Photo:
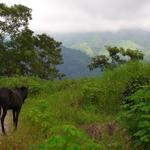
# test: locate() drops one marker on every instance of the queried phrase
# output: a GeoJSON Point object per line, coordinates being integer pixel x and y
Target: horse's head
{"type": "Point", "coordinates": [24, 92]}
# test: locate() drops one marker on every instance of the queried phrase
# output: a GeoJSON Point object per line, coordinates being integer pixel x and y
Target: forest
{"type": "Point", "coordinates": [106, 111]}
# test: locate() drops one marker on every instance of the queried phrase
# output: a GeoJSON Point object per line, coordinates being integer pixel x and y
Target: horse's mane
{"type": "Point", "coordinates": [23, 91]}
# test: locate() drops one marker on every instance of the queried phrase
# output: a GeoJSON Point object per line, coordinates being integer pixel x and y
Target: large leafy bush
{"type": "Point", "coordinates": [90, 94]}
{"type": "Point", "coordinates": [136, 117]}
{"type": "Point", "coordinates": [40, 116]}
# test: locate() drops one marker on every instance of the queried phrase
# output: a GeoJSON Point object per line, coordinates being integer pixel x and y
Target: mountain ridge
{"type": "Point", "coordinates": [76, 64]}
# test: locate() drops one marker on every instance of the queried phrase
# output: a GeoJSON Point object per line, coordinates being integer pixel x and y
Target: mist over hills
{"type": "Point", "coordinates": [93, 43]}
{"type": "Point", "coordinates": [78, 48]}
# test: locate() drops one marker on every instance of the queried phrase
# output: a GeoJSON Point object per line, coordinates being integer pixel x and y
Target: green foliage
{"type": "Point", "coordinates": [116, 55]}
{"type": "Point", "coordinates": [115, 146]}
{"type": "Point", "coordinates": [35, 84]}
{"type": "Point", "coordinates": [136, 117]}
{"type": "Point", "coordinates": [99, 62]}
{"type": "Point", "coordinates": [40, 116]}
{"type": "Point", "coordinates": [49, 55]}
{"type": "Point", "coordinates": [133, 85]}
{"type": "Point", "coordinates": [134, 55]}
{"type": "Point", "coordinates": [90, 94]}
{"type": "Point", "coordinates": [14, 18]}
{"type": "Point", "coordinates": [79, 103]}
{"type": "Point", "coordinates": [112, 84]}
{"type": "Point", "coordinates": [21, 51]}
{"type": "Point", "coordinates": [68, 137]}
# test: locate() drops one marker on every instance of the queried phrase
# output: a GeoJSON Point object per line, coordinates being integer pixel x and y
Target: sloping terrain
{"type": "Point", "coordinates": [73, 114]}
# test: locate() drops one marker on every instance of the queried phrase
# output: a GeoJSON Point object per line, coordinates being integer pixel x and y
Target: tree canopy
{"type": "Point", "coordinates": [117, 55]}
{"type": "Point", "coordinates": [22, 52]}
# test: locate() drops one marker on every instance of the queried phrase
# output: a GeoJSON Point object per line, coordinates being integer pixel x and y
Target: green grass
{"type": "Point", "coordinates": [79, 103]}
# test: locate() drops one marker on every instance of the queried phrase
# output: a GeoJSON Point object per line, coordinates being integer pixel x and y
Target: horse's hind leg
{"type": "Point", "coordinates": [2, 120]}
{"type": "Point", "coordinates": [16, 118]}
{"type": "Point", "coordinates": [0, 112]}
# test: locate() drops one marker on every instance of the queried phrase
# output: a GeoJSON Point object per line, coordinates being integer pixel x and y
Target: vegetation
{"type": "Point", "coordinates": [21, 51]}
{"type": "Point", "coordinates": [115, 57]}
{"type": "Point", "coordinates": [82, 113]}
{"type": "Point", "coordinates": [136, 111]}
{"type": "Point", "coordinates": [68, 137]}
{"type": "Point", "coordinates": [136, 117]}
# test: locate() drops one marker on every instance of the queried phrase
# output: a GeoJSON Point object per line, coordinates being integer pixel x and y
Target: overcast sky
{"type": "Point", "coordinates": [65, 16]}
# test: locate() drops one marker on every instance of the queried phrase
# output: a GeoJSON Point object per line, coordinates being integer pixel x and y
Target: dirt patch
{"type": "Point", "coordinates": [96, 131]}
{"type": "Point", "coordinates": [8, 124]}
{"type": "Point", "coordinates": [111, 128]}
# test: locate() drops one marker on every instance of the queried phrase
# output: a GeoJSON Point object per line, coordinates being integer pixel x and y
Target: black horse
{"type": "Point", "coordinates": [12, 99]}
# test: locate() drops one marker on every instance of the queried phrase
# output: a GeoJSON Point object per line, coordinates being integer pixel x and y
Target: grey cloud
{"type": "Point", "coordinates": [87, 15]}
{"type": "Point", "coordinates": [115, 9]}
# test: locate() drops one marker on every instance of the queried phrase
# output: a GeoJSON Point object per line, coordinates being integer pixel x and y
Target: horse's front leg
{"type": "Point", "coordinates": [2, 119]}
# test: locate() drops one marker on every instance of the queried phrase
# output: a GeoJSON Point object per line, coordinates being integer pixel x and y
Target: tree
{"type": "Point", "coordinates": [116, 56]}
{"type": "Point", "coordinates": [14, 19]}
{"type": "Point", "coordinates": [99, 62]}
{"type": "Point", "coordinates": [21, 51]}
{"type": "Point", "coordinates": [135, 55]}
{"type": "Point", "coordinates": [48, 54]}
{"type": "Point", "coordinates": [113, 54]}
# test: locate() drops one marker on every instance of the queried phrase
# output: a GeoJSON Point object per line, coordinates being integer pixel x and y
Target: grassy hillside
{"type": "Point", "coordinates": [76, 114]}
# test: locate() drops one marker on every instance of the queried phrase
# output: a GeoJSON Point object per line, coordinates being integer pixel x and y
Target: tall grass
{"type": "Point", "coordinates": [77, 102]}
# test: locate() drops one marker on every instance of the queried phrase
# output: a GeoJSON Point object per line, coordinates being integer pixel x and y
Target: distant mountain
{"type": "Point", "coordinates": [82, 46]}
{"type": "Point", "coordinates": [75, 63]}
{"type": "Point", "coordinates": [93, 43]}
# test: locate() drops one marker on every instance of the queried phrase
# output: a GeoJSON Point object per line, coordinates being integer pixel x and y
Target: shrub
{"type": "Point", "coordinates": [40, 115]}
{"type": "Point", "coordinates": [68, 137]}
{"type": "Point", "coordinates": [136, 117]}
{"type": "Point", "coordinates": [36, 85]}
{"type": "Point", "coordinates": [90, 94]}
{"type": "Point", "coordinates": [133, 85]}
